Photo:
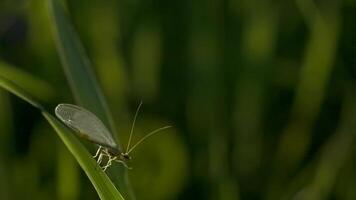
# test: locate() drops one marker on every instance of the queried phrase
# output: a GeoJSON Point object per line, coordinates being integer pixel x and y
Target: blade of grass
{"type": "Point", "coordinates": [35, 86]}
{"type": "Point", "coordinates": [103, 185]}
{"type": "Point", "coordinates": [16, 90]}
{"type": "Point", "coordinates": [83, 83]}
{"type": "Point", "coordinates": [76, 65]}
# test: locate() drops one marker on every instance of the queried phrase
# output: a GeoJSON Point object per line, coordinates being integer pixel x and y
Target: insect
{"type": "Point", "coordinates": [89, 127]}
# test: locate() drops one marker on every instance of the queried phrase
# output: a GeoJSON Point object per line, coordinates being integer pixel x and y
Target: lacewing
{"type": "Point", "coordinates": [88, 126]}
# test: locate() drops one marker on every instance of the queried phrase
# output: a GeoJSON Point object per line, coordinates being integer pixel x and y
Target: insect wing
{"type": "Point", "coordinates": [86, 124]}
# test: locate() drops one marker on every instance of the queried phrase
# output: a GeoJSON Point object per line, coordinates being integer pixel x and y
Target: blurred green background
{"type": "Point", "coordinates": [261, 94]}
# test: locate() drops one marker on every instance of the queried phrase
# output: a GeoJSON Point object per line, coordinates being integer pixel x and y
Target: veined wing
{"type": "Point", "coordinates": [86, 124]}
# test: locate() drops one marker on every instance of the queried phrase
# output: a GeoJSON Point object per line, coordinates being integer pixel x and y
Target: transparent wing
{"type": "Point", "coordinates": [86, 124]}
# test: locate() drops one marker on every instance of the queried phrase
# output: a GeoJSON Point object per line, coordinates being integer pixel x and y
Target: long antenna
{"type": "Point", "coordinates": [148, 135]}
{"type": "Point", "coordinates": [133, 125]}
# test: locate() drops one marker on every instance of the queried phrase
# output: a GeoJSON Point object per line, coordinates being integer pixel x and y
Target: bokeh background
{"type": "Point", "coordinates": [261, 95]}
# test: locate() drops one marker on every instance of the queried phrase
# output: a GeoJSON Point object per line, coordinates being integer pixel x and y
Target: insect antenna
{"type": "Point", "coordinates": [148, 135]}
{"type": "Point", "coordinates": [132, 127]}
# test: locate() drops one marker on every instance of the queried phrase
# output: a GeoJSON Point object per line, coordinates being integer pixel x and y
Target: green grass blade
{"type": "Point", "coordinates": [83, 82]}
{"type": "Point", "coordinates": [18, 91]}
{"type": "Point", "coordinates": [101, 182]}
{"type": "Point", "coordinates": [77, 66]}
{"type": "Point", "coordinates": [103, 185]}
{"type": "Point", "coordinates": [35, 86]}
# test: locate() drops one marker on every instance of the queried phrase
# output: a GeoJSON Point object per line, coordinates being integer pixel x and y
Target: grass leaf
{"type": "Point", "coordinates": [103, 185]}
{"type": "Point", "coordinates": [101, 182]}
{"type": "Point", "coordinates": [77, 66]}
{"type": "Point", "coordinates": [35, 86]}
{"type": "Point", "coordinates": [18, 91]}
{"type": "Point", "coordinates": [83, 82]}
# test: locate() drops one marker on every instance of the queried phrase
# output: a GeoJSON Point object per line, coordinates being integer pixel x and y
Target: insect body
{"type": "Point", "coordinates": [89, 127]}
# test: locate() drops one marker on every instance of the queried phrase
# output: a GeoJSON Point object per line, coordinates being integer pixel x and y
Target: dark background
{"type": "Point", "coordinates": [261, 95]}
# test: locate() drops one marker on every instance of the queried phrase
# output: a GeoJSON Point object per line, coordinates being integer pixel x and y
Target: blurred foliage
{"type": "Point", "coordinates": [261, 95]}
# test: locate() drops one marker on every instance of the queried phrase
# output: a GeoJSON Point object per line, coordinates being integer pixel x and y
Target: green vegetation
{"type": "Point", "coordinates": [103, 185]}
{"type": "Point", "coordinates": [260, 95]}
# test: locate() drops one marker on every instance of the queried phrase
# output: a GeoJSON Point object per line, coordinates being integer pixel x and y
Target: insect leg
{"type": "Point", "coordinates": [97, 152]}
{"type": "Point", "coordinates": [100, 159]}
{"type": "Point", "coordinates": [101, 155]}
{"type": "Point", "coordinates": [108, 164]}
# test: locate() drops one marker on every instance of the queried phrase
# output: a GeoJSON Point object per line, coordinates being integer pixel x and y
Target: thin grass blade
{"type": "Point", "coordinates": [18, 91]}
{"type": "Point", "coordinates": [34, 85]}
{"type": "Point", "coordinates": [76, 65]}
{"type": "Point", "coordinates": [83, 83]}
{"type": "Point", "coordinates": [103, 185]}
